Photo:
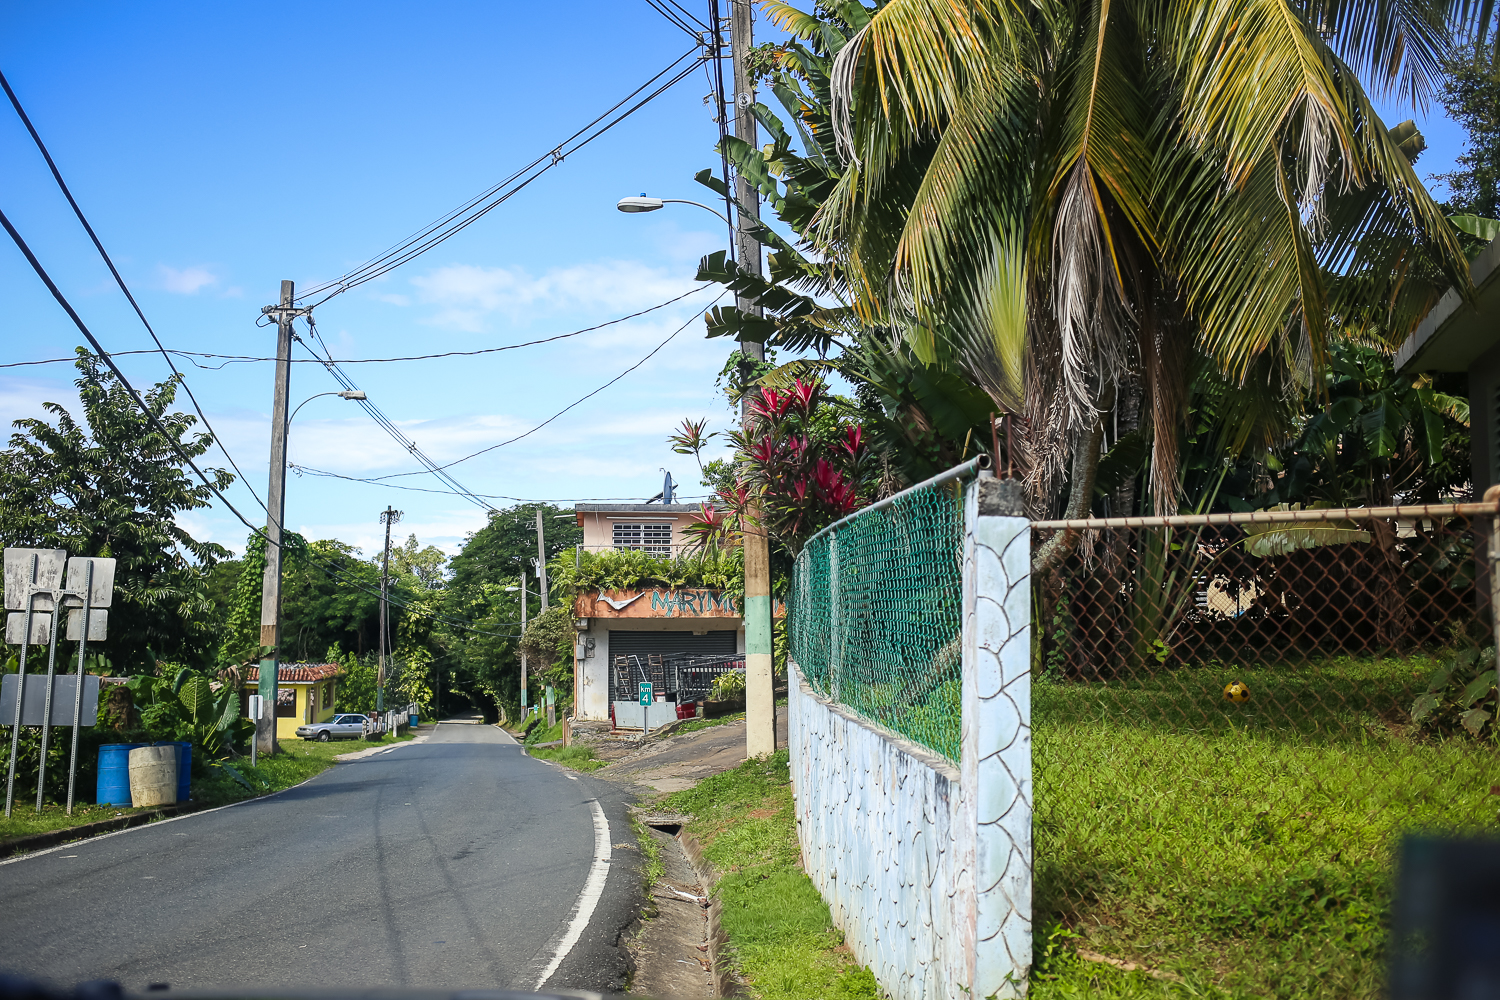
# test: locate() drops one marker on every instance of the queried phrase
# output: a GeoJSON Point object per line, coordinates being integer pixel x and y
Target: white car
{"type": "Point", "coordinates": [340, 727]}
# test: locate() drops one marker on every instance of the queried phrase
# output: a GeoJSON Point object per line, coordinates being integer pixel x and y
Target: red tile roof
{"type": "Point", "coordinates": [297, 673]}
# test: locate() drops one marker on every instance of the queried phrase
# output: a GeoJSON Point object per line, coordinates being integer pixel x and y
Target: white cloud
{"type": "Point", "coordinates": [187, 280]}
{"type": "Point", "coordinates": [465, 294]}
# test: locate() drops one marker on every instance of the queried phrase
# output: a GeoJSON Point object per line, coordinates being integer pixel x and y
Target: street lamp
{"type": "Point", "coordinates": [760, 703]}
{"type": "Point", "coordinates": [645, 204]}
{"type": "Point", "coordinates": [346, 394]}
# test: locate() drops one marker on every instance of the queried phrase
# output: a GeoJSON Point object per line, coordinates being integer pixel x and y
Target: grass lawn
{"type": "Point", "coordinates": [297, 762]}
{"type": "Point", "coordinates": [1244, 849]}
{"type": "Point", "coordinates": [578, 757]}
{"type": "Point", "coordinates": [780, 933]}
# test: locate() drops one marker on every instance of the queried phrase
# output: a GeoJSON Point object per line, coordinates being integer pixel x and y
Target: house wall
{"type": "Point", "coordinates": [306, 695]}
{"type": "Point", "coordinates": [1484, 414]}
{"type": "Point", "coordinates": [593, 701]}
{"type": "Point", "coordinates": [598, 526]}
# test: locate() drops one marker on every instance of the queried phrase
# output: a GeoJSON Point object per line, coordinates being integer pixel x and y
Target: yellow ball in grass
{"type": "Point", "coordinates": [1236, 691]}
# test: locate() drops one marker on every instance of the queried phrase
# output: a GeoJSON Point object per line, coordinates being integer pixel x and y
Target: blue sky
{"type": "Point", "coordinates": [218, 149]}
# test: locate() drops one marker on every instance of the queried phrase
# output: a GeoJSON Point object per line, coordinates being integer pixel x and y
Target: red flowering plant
{"type": "Point", "coordinates": [803, 462]}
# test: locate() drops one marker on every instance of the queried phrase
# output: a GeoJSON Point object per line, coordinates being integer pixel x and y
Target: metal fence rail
{"type": "Point", "coordinates": [876, 611]}
{"type": "Point", "coordinates": [1235, 717]}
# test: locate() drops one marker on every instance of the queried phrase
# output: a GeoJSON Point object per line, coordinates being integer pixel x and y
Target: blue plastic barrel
{"type": "Point", "coordinates": [184, 766]}
{"type": "Point", "coordinates": [412, 720]}
{"type": "Point", "coordinates": [114, 774]}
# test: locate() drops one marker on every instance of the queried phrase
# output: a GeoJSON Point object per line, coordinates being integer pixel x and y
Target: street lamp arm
{"type": "Point", "coordinates": [645, 203]}
{"type": "Point", "coordinates": [346, 394]}
{"type": "Point", "coordinates": [309, 399]}
{"type": "Point", "coordinates": [706, 208]}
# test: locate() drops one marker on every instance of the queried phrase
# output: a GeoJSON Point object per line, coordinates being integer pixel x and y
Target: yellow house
{"type": "Point", "coordinates": [304, 694]}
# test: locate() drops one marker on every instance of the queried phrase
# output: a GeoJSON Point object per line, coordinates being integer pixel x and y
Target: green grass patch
{"type": "Point", "coordinates": [577, 756]}
{"type": "Point", "coordinates": [693, 725]}
{"type": "Point", "coordinates": [213, 784]}
{"type": "Point", "coordinates": [1242, 847]}
{"type": "Point", "coordinates": [780, 932]}
{"type": "Point", "coordinates": [653, 868]}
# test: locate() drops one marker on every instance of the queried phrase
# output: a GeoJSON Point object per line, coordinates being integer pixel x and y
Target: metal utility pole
{"type": "Point", "coordinates": [388, 517]}
{"type": "Point", "coordinates": [541, 558]}
{"type": "Point", "coordinates": [760, 684]}
{"type": "Point", "coordinates": [270, 594]}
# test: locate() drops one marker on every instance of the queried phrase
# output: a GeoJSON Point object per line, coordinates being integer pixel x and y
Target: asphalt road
{"type": "Point", "coordinates": [457, 863]}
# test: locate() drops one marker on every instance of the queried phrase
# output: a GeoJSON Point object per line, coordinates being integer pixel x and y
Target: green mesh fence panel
{"type": "Point", "coordinates": [877, 611]}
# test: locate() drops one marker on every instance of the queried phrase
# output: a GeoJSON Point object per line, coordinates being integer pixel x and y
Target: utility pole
{"type": "Point", "coordinates": [270, 593]}
{"type": "Point", "coordinates": [760, 684]}
{"type": "Point", "coordinates": [523, 644]}
{"type": "Point", "coordinates": [541, 558]}
{"type": "Point", "coordinates": [388, 517]}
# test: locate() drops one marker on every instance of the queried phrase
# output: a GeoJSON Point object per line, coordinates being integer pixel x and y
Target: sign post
{"type": "Point", "coordinates": [34, 582]}
{"type": "Point", "coordinates": [256, 711]}
{"type": "Point", "coordinates": [645, 708]}
{"type": "Point", "coordinates": [94, 580]}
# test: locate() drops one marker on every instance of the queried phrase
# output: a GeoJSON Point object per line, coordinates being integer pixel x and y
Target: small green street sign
{"type": "Point", "coordinates": [645, 694]}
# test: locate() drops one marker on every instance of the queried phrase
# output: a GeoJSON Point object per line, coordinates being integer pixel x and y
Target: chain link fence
{"type": "Point", "coordinates": [1233, 724]}
{"type": "Point", "coordinates": [877, 610]}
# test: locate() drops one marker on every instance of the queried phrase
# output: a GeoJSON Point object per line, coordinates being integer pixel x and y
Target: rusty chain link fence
{"type": "Point", "coordinates": [1235, 722]}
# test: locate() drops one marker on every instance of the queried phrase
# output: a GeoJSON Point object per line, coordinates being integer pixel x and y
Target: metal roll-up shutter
{"type": "Point", "coordinates": [717, 643]}
{"type": "Point", "coordinates": [645, 644]}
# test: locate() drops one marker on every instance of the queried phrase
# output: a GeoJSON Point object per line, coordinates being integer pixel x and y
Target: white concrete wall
{"type": "Point", "coordinates": [878, 818]}
{"type": "Point", "coordinates": [926, 866]}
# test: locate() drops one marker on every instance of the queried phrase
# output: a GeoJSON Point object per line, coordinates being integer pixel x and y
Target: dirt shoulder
{"type": "Point", "coordinates": [674, 761]}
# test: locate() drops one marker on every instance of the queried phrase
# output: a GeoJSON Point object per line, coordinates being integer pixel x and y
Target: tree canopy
{"type": "Point", "coordinates": [113, 486]}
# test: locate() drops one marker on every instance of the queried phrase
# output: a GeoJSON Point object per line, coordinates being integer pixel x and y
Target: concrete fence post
{"type": "Point", "coordinates": [995, 765]}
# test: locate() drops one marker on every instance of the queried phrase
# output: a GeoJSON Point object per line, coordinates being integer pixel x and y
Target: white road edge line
{"type": "Point", "coordinates": [86, 841]}
{"type": "Point", "coordinates": [588, 900]}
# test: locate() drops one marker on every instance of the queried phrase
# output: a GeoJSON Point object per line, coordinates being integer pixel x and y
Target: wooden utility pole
{"type": "Point", "coordinates": [760, 684]}
{"type": "Point", "coordinates": [270, 593]}
{"type": "Point", "coordinates": [388, 517]}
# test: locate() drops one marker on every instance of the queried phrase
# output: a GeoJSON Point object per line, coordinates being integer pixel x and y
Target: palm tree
{"type": "Point", "coordinates": [1070, 199]}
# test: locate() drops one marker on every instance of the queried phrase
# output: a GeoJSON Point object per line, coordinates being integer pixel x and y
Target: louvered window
{"type": "Point", "coordinates": [649, 537]}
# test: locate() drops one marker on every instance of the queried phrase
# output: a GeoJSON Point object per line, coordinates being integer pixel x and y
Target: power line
{"type": "Point", "coordinates": [482, 204]}
{"type": "Point", "coordinates": [309, 470]}
{"type": "Point", "coordinates": [687, 14]}
{"type": "Point", "coordinates": [565, 409]}
{"type": "Point", "coordinates": [389, 426]}
{"type": "Point", "coordinates": [671, 15]}
{"type": "Point", "coordinates": [231, 359]}
{"type": "Point", "coordinates": [166, 435]}
{"type": "Point", "coordinates": [15, 102]}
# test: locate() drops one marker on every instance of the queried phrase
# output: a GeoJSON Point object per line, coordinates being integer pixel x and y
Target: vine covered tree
{"type": "Point", "coordinates": [113, 486]}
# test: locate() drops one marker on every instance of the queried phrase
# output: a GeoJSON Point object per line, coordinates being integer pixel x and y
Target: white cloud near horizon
{"type": "Point", "coordinates": [187, 280]}
{"type": "Point", "coordinates": [465, 295]}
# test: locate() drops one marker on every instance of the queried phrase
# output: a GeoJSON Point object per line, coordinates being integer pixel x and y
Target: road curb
{"type": "Point", "coordinates": [725, 983]}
